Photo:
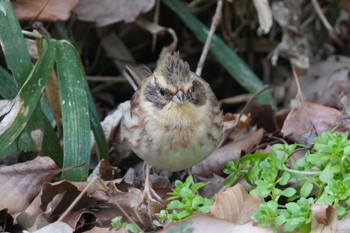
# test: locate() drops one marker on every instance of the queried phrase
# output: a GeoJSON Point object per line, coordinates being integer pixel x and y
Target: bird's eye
{"type": "Point", "coordinates": [161, 91]}
{"type": "Point", "coordinates": [191, 90]}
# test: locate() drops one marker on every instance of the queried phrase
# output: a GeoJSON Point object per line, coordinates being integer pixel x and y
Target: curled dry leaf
{"type": "Point", "coordinates": [325, 219]}
{"type": "Point", "coordinates": [107, 12]}
{"type": "Point", "coordinates": [216, 162]}
{"type": "Point", "coordinates": [262, 115]}
{"type": "Point", "coordinates": [43, 10]}
{"type": "Point", "coordinates": [110, 126]}
{"type": "Point", "coordinates": [57, 197]}
{"type": "Point", "coordinates": [104, 230]}
{"type": "Point", "coordinates": [294, 45]}
{"type": "Point", "coordinates": [310, 119]}
{"type": "Point", "coordinates": [21, 182]}
{"type": "Point", "coordinates": [235, 205]}
{"type": "Point", "coordinates": [264, 15]}
{"type": "Point", "coordinates": [325, 82]}
{"type": "Point", "coordinates": [205, 223]}
{"type": "Point", "coordinates": [56, 227]}
{"type": "Point", "coordinates": [320, 213]}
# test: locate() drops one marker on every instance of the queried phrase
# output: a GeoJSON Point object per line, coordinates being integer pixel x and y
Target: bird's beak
{"type": "Point", "coordinates": [179, 98]}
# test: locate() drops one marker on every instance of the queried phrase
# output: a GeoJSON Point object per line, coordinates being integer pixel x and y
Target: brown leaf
{"type": "Point", "coordinates": [20, 183]}
{"type": "Point", "coordinates": [205, 223]}
{"type": "Point", "coordinates": [104, 230]}
{"type": "Point", "coordinates": [57, 197]}
{"type": "Point", "coordinates": [345, 4]}
{"type": "Point", "coordinates": [235, 205]}
{"type": "Point", "coordinates": [216, 162]}
{"type": "Point", "coordinates": [42, 10]}
{"type": "Point", "coordinates": [325, 219]}
{"type": "Point", "coordinates": [310, 117]}
{"type": "Point", "coordinates": [56, 227]}
{"type": "Point", "coordinates": [262, 115]}
{"type": "Point", "coordinates": [104, 170]}
{"type": "Point", "coordinates": [324, 82]}
{"type": "Point", "coordinates": [320, 213]}
{"type": "Point", "coordinates": [107, 12]}
{"type": "Point", "coordinates": [110, 126]}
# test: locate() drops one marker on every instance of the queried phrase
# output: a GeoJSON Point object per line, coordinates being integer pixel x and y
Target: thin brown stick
{"type": "Point", "coordinates": [156, 21]}
{"type": "Point", "coordinates": [121, 208]}
{"type": "Point", "coordinates": [214, 24]}
{"type": "Point", "coordinates": [300, 93]}
{"type": "Point", "coordinates": [77, 199]}
{"type": "Point", "coordinates": [326, 24]}
{"type": "Point", "coordinates": [253, 96]}
{"type": "Point", "coordinates": [116, 79]}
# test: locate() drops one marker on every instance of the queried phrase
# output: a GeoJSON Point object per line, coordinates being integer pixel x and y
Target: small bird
{"type": "Point", "coordinates": [173, 120]}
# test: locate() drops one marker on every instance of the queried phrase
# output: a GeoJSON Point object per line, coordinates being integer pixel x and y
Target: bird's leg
{"type": "Point", "coordinates": [148, 190]}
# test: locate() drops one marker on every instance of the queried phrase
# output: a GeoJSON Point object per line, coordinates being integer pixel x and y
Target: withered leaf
{"type": "Point", "coordinates": [325, 219]}
{"type": "Point", "coordinates": [235, 205]}
{"type": "Point", "coordinates": [309, 117]}
{"type": "Point", "coordinates": [205, 223]}
{"type": "Point", "coordinates": [51, 10]}
{"type": "Point", "coordinates": [108, 12]}
{"type": "Point", "coordinates": [21, 182]}
{"type": "Point", "coordinates": [216, 162]}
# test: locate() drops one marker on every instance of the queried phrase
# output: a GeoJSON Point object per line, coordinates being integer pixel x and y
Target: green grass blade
{"type": "Point", "coordinates": [100, 140]}
{"type": "Point", "coordinates": [8, 87]}
{"type": "Point", "coordinates": [234, 65]}
{"type": "Point", "coordinates": [75, 112]}
{"type": "Point", "coordinates": [13, 44]}
{"type": "Point", "coordinates": [25, 103]}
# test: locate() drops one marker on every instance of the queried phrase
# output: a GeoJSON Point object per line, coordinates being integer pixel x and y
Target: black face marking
{"type": "Point", "coordinates": [153, 95]}
{"type": "Point", "coordinates": [197, 94]}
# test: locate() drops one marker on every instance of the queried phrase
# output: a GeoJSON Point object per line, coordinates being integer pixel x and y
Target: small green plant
{"type": "Point", "coordinates": [117, 223]}
{"type": "Point", "coordinates": [322, 176]}
{"type": "Point", "coordinates": [184, 201]}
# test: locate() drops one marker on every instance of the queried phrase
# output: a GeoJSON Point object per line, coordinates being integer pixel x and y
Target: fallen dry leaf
{"type": "Point", "coordinates": [262, 115]}
{"type": "Point", "coordinates": [320, 213]}
{"type": "Point", "coordinates": [43, 10]}
{"type": "Point", "coordinates": [330, 217]}
{"type": "Point", "coordinates": [216, 162]}
{"type": "Point", "coordinates": [324, 82]}
{"type": "Point", "coordinates": [235, 205]}
{"type": "Point", "coordinates": [309, 117]}
{"type": "Point", "coordinates": [56, 227]}
{"type": "Point", "coordinates": [57, 197]}
{"type": "Point", "coordinates": [205, 223]}
{"type": "Point", "coordinates": [107, 12]}
{"type": "Point", "coordinates": [21, 182]}
{"type": "Point", "coordinates": [104, 230]}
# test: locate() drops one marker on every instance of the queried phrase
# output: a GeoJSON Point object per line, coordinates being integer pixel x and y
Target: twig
{"type": "Point", "coordinates": [121, 208]}
{"type": "Point", "coordinates": [77, 199]}
{"type": "Point", "coordinates": [236, 99]}
{"type": "Point", "coordinates": [253, 96]}
{"type": "Point", "coordinates": [214, 24]}
{"type": "Point", "coordinates": [156, 21]}
{"type": "Point", "coordinates": [325, 22]}
{"type": "Point", "coordinates": [34, 35]}
{"type": "Point", "coordinates": [113, 79]}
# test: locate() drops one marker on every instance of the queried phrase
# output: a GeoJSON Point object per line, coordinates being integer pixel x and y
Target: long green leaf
{"type": "Point", "coordinates": [234, 65]}
{"type": "Point", "coordinates": [75, 112]}
{"type": "Point", "coordinates": [24, 104]}
{"type": "Point", "coordinates": [100, 140]}
{"type": "Point", "coordinates": [8, 87]}
{"type": "Point", "coordinates": [12, 41]}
